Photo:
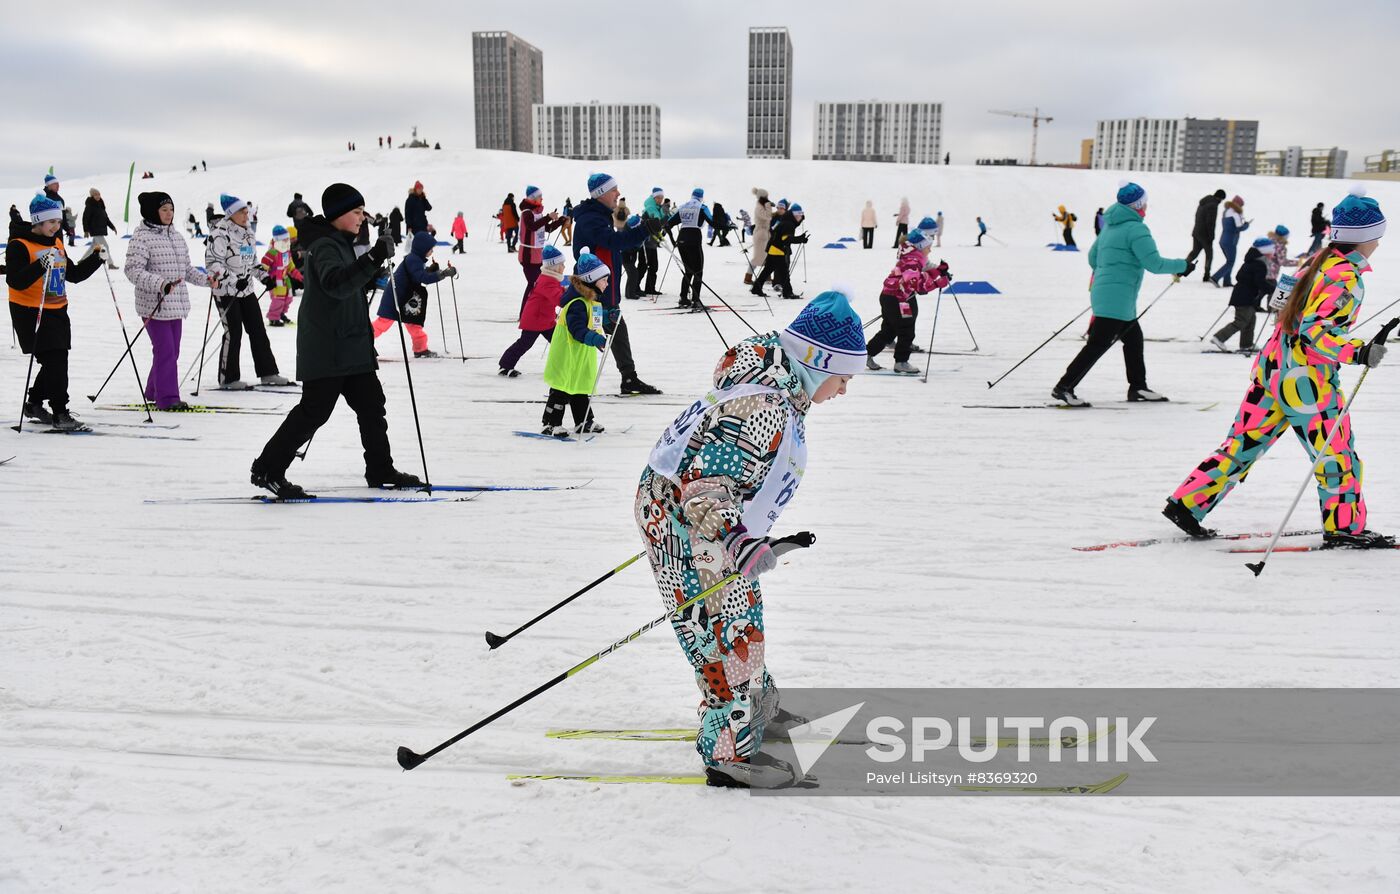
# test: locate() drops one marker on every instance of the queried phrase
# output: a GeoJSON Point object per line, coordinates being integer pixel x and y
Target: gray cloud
{"type": "Point", "coordinates": [166, 84]}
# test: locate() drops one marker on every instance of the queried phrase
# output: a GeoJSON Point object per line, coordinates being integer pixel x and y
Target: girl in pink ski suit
{"type": "Point", "coordinates": [281, 270]}
{"type": "Point", "coordinates": [913, 274]}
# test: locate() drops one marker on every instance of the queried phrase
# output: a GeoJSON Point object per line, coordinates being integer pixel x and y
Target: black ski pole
{"type": "Point", "coordinates": [301, 454]}
{"type": "Point", "coordinates": [958, 305]}
{"type": "Point", "coordinates": [34, 344]}
{"type": "Point", "coordinates": [1377, 314]}
{"type": "Point", "coordinates": [1211, 327]}
{"type": "Point", "coordinates": [130, 343]}
{"type": "Point", "coordinates": [408, 759]}
{"type": "Point", "coordinates": [452, 284]}
{"type": "Point", "coordinates": [1038, 347]}
{"type": "Point", "coordinates": [195, 362]}
{"type": "Point", "coordinates": [408, 372]}
{"type": "Point", "coordinates": [442, 322]}
{"type": "Point", "coordinates": [703, 306]}
{"type": "Point", "coordinates": [495, 641]}
{"type": "Point", "coordinates": [711, 290]}
{"type": "Point", "coordinates": [1258, 567]}
{"type": "Point", "coordinates": [928, 358]}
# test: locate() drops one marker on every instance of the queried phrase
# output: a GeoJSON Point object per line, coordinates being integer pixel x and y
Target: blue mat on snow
{"type": "Point", "coordinates": [834, 245]}
{"type": "Point", "coordinates": [847, 239]}
{"type": "Point", "coordinates": [1055, 246]}
{"type": "Point", "coordinates": [440, 242]}
{"type": "Point", "coordinates": [971, 287]}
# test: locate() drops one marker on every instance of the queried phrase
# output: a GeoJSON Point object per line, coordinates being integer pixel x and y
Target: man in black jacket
{"type": "Point", "coordinates": [96, 223]}
{"type": "Point", "coordinates": [335, 348]}
{"type": "Point", "coordinates": [298, 210]}
{"type": "Point", "coordinates": [1203, 233]}
{"type": "Point", "coordinates": [1319, 228]}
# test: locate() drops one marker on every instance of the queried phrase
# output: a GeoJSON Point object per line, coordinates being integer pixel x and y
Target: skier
{"type": "Point", "coordinates": [689, 217]}
{"type": "Point", "coordinates": [298, 210]}
{"type": "Point", "coordinates": [1098, 222]}
{"type": "Point", "coordinates": [747, 228]}
{"type": "Point", "coordinates": [210, 216]}
{"type": "Point", "coordinates": [1066, 219]}
{"type": "Point", "coordinates": [535, 226]}
{"type": "Point", "coordinates": [158, 265]}
{"type": "Point", "coordinates": [279, 271]}
{"type": "Point", "coordinates": [723, 224]}
{"type": "Point", "coordinates": [571, 369]}
{"type": "Point", "coordinates": [396, 225]}
{"type": "Point", "coordinates": [1119, 257]}
{"type": "Point", "coordinates": [762, 222]}
{"type": "Point", "coordinates": [1318, 229]}
{"type": "Point", "coordinates": [901, 221]}
{"type": "Point", "coordinates": [1295, 383]}
{"type": "Point", "coordinates": [335, 348]}
{"type": "Point", "coordinates": [1251, 286]}
{"type": "Point", "coordinates": [410, 283]}
{"type": "Point", "coordinates": [914, 274]}
{"type": "Point", "coordinates": [981, 230]}
{"type": "Point", "coordinates": [37, 274]}
{"type": "Point", "coordinates": [96, 223]}
{"type": "Point", "coordinates": [1231, 226]}
{"type": "Point", "coordinates": [459, 233]}
{"type": "Point", "coordinates": [194, 226]}
{"type": "Point", "coordinates": [651, 208]}
{"type": "Point", "coordinates": [1278, 258]}
{"type": "Point", "coordinates": [567, 230]}
{"type": "Point", "coordinates": [415, 210]}
{"type": "Point", "coordinates": [510, 222]}
{"type": "Point", "coordinates": [594, 229]}
{"type": "Point", "coordinates": [1203, 231]}
{"type": "Point", "coordinates": [541, 306]}
{"type": "Point", "coordinates": [714, 486]}
{"type": "Point", "coordinates": [229, 258]}
{"type": "Point", "coordinates": [938, 234]}
{"type": "Point", "coordinates": [867, 225]}
{"type": "Point", "coordinates": [775, 263]}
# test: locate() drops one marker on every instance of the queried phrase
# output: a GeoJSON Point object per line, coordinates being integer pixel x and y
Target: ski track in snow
{"type": "Point", "coordinates": [208, 697]}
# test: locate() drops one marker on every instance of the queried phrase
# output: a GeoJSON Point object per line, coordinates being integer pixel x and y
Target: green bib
{"type": "Point", "coordinates": [572, 366]}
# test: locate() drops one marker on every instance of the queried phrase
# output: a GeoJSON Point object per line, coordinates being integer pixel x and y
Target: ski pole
{"type": "Point", "coordinates": [1212, 325]}
{"type": "Point", "coordinates": [705, 307]}
{"type": "Point", "coordinates": [408, 759]}
{"type": "Point", "coordinates": [495, 641]}
{"type": "Point", "coordinates": [301, 454]}
{"type": "Point", "coordinates": [958, 305]}
{"type": "Point", "coordinates": [1039, 346]}
{"type": "Point", "coordinates": [1258, 567]}
{"type": "Point", "coordinates": [1175, 279]}
{"type": "Point", "coordinates": [457, 314]}
{"type": "Point", "coordinates": [34, 344]}
{"type": "Point", "coordinates": [597, 376]}
{"type": "Point", "coordinates": [928, 358]}
{"type": "Point", "coordinates": [442, 323]}
{"type": "Point", "coordinates": [130, 343]}
{"type": "Point", "coordinates": [1377, 313]}
{"type": "Point", "coordinates": [408, 372]}
{"type": "Point", "coordinates": [671, 257]}
{"type": "Point", "coordinates": [208, 335]}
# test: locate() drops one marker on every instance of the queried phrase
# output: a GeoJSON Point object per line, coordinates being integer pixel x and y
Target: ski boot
{"type": "Point", "coordinates": [64, 421]}
{"type": "Point", "coordinates": [426, 354]}
{"type": "Point", "coordinates": [871, 365]}
{"type": "Point", "coordinates": [556, 431]}
{"type": "Point", "coordinates": [275, 379]}
{"type": "Point", "coordinates": [1361, 540]}
{"type": "Point", "coordinates": [1138, 395]}
{"type": "Point", "coordinates": [1219, 345]}
{"type": "Point", "coordinates": [1177, 513]}
{"type": "Point", "coordinates": [277, 482]}
{"type": "Point", "coordinates": [276, 323]}
{"type": "Point", "coordinates": [236, 385]}
{"type": "Point", "coordinates": [906, 368]}
{"type": "Point", "coordinates": [392, 479]}
{"type": "Point", "coordinates": [760, 771]}
{"type": "Point", "coordinates": [35, 412]}
{"type": "Point", "coordinates": [509, 373]}
{"type": "Point", "coordinates": [1067, 397]}
{"type": "Point", "coordinates": [633, 385]}
{"type": "Point", "coordinates": [589, 427]}
{"type": "Point", "coordinates": [178, 407]}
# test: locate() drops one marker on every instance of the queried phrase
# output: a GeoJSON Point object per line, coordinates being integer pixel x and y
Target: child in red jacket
{"type": "Point", "coordinates": [914, 274]}
{"type": "Point", "coordinates": [541, 308]}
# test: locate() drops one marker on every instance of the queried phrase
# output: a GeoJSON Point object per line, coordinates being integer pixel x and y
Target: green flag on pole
{"type": "Point", "coordinates": [126, 213]}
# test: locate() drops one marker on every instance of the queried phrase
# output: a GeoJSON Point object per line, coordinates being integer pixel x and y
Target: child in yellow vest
{"type": "Point", "coordinates": [571, 369]}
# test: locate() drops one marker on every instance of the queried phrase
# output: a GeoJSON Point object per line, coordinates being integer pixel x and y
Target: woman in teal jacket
{"type": "Point", "coordinates": [1119, 256]}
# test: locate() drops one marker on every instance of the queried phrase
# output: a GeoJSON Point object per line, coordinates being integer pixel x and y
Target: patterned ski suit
{"type": "Point", "coordinates": [1295, 384]}
{"type": "Point", "coordinates": [694, 530]}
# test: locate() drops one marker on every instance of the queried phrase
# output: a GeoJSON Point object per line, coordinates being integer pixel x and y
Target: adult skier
{"type": "Point", "coordinates": [868, 223]}
{"type": "Point", "coordinates": [1295, 384]}
{"type": "Point", "coordinates": [1232, 224]}
{"type": "Point", "coordinates": [1203, 232]}
{"type": "Point", "coordinates": [1119, 257]}
{"type": "Point", "coordinates": [594, 232]}
{"type": "Point", "coordinates": [762, 221]}
{"type": "Point", "coordinates": [690, 216]}
{"type": "Point", "coordinates": [714, 486]}
{"type": "Point", "coordinates": [535, 227]}
{"type": "Point", "coordinates": [335, 348]}
{"type": "Point", "coordinates": [1066, 219]}
{"type": "Point", "coordinates": [651, 208]}
{"type": "Point", "coordinates": [415, 210]}
{"type": "Point", "coordinates": [96, 224]}
{"type": "Point", "coordinates": [901, 221]}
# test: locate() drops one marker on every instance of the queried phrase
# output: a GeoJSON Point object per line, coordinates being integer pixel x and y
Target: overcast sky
{"type": "Point", "coordinates": [91, 87]}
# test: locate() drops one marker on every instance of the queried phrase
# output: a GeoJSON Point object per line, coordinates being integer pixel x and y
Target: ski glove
{"type": "Point", "coordinates": [382, 250]}
{"type": "Point", "coordinates": [653, 225]}
{"type": "Point", "coordinates": [169, 287]}
{"type": "Point", "coordinates": [633, 222]}
{"type": "Point", "coordinates": [612, 315]}
{"type": "Point", "coordinates": [760, 555]}
{"type": "Point", "coordinates": [1372, 354]}
{"type": "Point", "coordinates": [450, 273]}
{"type": "Point", "coordinates": [595, 340]}
{"type": "Point", "coordinates": [1190, 266]}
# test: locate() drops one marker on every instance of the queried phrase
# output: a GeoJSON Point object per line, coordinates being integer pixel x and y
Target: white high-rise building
{"type": "Point", "coordinates": [508, 77]}
{"type": "Point", "coordinates": [770, 94]}
{"type": "Point", "coordinates": [905, 132]}
{"type": "Point", "coordinates": [1189, 145]}
{"type": "Point", "coordinates": [597, 131]}
{"type": "Point", "coordinates": [1295, 161]}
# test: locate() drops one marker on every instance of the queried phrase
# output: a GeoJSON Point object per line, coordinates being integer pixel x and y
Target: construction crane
{"type": "Point", "coordinates": [1035, 117]}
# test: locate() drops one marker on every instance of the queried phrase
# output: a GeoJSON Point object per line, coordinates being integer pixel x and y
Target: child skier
{"type": "Point", "coordinates": [1251, 286]}
{"type": "Point", "coordinates": [229, 257]}
{"type": "Point", "coordinates": [571, 369]}
{"type": "Point", "coordinates": [281, 270]}
{"type": "Point", "coordinates": [914, 274]}
{"type": "Point", "coordinates": [541, 307]}
{"type": "Point", "coordinates": [1066, 219]}
{"type": "Point", "coordinates": [37, 273]}
{"type": "Point", "coordinates": [1279, 258]}
{"type": "Point", "coordinates": [713, 488]}
{"type": "Point", "coordinates": [459, 232]}
{"type": "Point", "coordinates": [1295, 383]}
{"type": "Point", "coordinates": [410, 283]}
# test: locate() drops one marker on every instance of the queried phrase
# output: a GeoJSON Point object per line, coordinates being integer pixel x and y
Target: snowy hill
{"type": "Point", "coordinates": [208, 696]}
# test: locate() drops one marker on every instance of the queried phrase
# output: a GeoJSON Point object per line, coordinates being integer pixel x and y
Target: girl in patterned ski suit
{"type": "Point", "coordinates": [1295, 384]}
{"type": "Point", "coordinates": [713, 488]}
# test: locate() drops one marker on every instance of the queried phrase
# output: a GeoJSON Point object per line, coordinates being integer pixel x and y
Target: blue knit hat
{"type": "Point", "coordinates": [533, 192]}
{"type": "Point", "coordinates": [600, 183]}
{"type": "Point", "coordinates": [590, 268]}
{"type": "Point", "coordinates": [658, 191]}
{"type": "Point", "coordinates": [697, 193]}
{"type": "Point", "coordinates": [919, 239]}
{"type": "Point", "coordinates": [279, 231]}
{"type": "Point", "coordinates": [783, 203]}
{"type": "Point", "coordinates": [827, 337]}
{"type": "Point", "coordinates": [1358, 218]}
{"type": "Point", "coordinates": [1264, 245]}
{"type": "Point", "coordinates": [42, 208]}
{"type": "Point", "coordinates": [928, 225]}
{"type": "Point", "coordinates": [1281, 230]}
{"type": "Point", "coordinates": [553, 257]}
{"type": "Point", "coordinates": [796, 209]}
{"type": "Point", "coordinates": [231, 204]}
{"type": "Point", "coordinates": [1132, 195]}
{"type": "Point", "coordinates": [49, 178]}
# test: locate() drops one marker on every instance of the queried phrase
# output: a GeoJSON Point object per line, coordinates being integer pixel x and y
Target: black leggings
{"type": "Point", "coordinates": [1102, 333]}
{"type": "Point", "coordinates": [894, 328]}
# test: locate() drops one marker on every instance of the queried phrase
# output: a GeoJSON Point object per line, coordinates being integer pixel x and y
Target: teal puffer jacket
{"type": "Point", "coordinates": [1119, 256]}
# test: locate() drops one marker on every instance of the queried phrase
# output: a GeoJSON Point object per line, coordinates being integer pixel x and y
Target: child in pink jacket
{"type": "Point", "coordinates": [540, 312]}
{"type": "Point", "coordinates": [914, 274]}
{"type": "Point", "coordinates": [281, 270]}
{"type": "Point", "coordinates": [459, 232]}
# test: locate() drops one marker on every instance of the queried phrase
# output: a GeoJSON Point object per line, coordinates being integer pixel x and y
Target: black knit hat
{"type": "Point", "coordinates": [150, 204]}
{"type": "Point", "coordinates": [340, 198]}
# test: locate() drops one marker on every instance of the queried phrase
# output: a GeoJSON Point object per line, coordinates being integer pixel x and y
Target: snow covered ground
{"type": "Point", "coordinates": [208, 697]}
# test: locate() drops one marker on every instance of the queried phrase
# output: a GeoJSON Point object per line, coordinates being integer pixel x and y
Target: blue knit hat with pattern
{"type": "Point", "coordinates": [1132, 195]}
{"type": "Point", "coordinates": [1264, 245]}
{"type": "Point", "coordinates": [1358, 218]}
{"type": "Point", "coordinates": [231, 204]}
{"type": "Point", "coordinates": [590, 268]}
{"type": "Point", "coordinates": [553, 257]}
{"type": "Point", "coordinates": [697, 193]}
{"type": "Point", "coordinates": [826, 339]}
{"type": "Point", "coordinates": [533, 192]}
{"type": "Point", "coordinates": [599, 184]}
{"type": "Point", "coordinates": [1282, 230]}
{"type": "Point", "coordinates": [919, 239]}
{"type": "Point", "coordinates": [42, 208]}
{"type": "Point", "coordinates": [49, 178]}
{"type": "Point", "coordinates": [928, 225]}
